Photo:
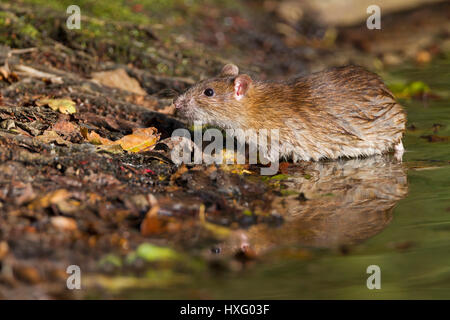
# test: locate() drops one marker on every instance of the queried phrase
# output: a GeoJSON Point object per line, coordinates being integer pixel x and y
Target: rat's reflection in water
{"type": "Point", "coordinates": [340, 203]}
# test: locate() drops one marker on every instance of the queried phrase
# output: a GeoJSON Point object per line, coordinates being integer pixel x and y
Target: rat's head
{"type": "Point", "coordinates": [218, 100]}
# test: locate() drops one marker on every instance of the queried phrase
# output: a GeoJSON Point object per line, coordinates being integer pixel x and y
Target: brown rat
{"type": "Point", "coordinates": [340, 112]}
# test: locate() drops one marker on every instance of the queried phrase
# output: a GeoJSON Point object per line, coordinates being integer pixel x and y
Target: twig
{"type": "Point", "coordinates": [20, 51]}
{"type": "Point", "coordinates": [39, 74]}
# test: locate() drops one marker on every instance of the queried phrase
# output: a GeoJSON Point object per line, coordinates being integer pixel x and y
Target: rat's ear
{"type": "Point", "coordinates": [229, 70]}
{"type": "Point", "coordinates": [241, 85]}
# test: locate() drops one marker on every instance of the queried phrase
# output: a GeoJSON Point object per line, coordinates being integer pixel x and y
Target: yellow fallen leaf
{"type": "Point", "coordinates": [239, 169]}
{"type": "Point", "coordinates": [53, 197]}
{"type": "Point", "coordinates": [95, 138]}
{"type": "Point", "coordinates": [114, 148]}
{"type": "Point", "coordinates": [65, 106]}
{"type": "Point", "coordinates": [219, 231]}
{"type": "Point", "coordinates": [142, 139]}
{"type": "Point", "coordinates": [68, 206]}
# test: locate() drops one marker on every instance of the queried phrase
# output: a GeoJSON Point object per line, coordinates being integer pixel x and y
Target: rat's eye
{"type": "Point", "coordinates": [209, 92]}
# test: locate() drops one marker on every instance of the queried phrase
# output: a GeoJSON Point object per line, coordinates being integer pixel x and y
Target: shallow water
{"type": "Point", "coordinates": [359, 213]}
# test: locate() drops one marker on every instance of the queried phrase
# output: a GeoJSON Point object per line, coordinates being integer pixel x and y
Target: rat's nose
{"type": "Point", "coordinates": [178, 103]}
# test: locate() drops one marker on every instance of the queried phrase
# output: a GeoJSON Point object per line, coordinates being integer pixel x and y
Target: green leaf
{"type": "Point", "coordinates": [150, 252]}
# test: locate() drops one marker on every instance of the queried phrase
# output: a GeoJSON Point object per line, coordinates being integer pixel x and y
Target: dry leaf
{"type": "Point", "coordinates": [4, 249]}
{"type": "Point", "coordinates": [95, 138]}
{"type": "Point", "coordinates": [4, 72]}
{"type": "Point", "coordinates": [142, 139]}
{"type": "Point", "coordinates": [114, 148]}
{"type": "Point", "coordinates": [218, 231]}
{"type": "Point", "coordinates": [68, 206]}
{"type": "Point", "coordinates": [50, 136]}
{"type": "Point", "coordinates": [65, 106]}
{"type": "Point", "coordinates": [154, 225]}
{"type": "Point", "coordinates": [170, 110]}
{"type": "Point", "coordinates": [151, 223]}
{"type": "Point", "coordinates": [120, 79]}
{"type": "Point", "coordinates": [64, 127]}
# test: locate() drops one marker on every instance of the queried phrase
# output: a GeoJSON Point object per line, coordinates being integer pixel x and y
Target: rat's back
{"type": "Point", "coordinates": [343, 112]}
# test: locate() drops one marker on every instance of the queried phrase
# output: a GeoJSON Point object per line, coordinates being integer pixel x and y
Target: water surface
{"type": "Point", "coordinates": [357, 213]}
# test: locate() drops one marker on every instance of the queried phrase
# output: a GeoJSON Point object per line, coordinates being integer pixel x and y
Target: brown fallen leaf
{"type": "Point", "coordinates": [120, 79]}
{"type": "Point", "coordinates": [95, 138]}
{"type": "Point", "coordinates": [151, 223]}
{"type": "Point", "coordinates": [4, 72]}
{"type": "Point", "coordinates": [50, 136]}
{"type": "Point", "coordinates": [170, 110]}
{"type": "Point", "coordinates": [4, 249]}
{"type": "Point", "coordinates": [154, 224]}
{"type": "Point", "coordinates": [64, 127]}
{"type": "Point", "coordinates": [7, 75]}
{"type": "Point", "coordinates": [142, 139]}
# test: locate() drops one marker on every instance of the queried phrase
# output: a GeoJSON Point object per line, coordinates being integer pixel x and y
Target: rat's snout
{"type": "Point", "coordinates": [180, 102]}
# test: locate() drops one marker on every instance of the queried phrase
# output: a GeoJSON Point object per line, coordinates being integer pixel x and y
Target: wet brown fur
{"type": "Point", "coordinates": [340, 112]}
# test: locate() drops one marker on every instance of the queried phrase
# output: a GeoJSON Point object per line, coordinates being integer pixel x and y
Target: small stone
{"type": "Point", "coordinates": [8, 124]}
